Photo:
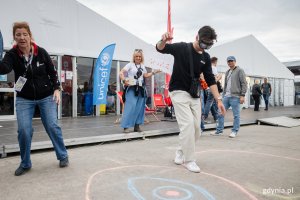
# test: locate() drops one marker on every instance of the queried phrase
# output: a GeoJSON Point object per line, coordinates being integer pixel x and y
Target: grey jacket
{"type": "Point", "coordinates": [238, 82]}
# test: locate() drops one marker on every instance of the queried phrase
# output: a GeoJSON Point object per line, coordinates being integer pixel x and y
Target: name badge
{"type": "Point", "coordinates": [20, 83]}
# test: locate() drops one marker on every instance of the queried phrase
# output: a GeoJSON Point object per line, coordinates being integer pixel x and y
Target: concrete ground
{"type": "Point", "coordinates": [263, 162]}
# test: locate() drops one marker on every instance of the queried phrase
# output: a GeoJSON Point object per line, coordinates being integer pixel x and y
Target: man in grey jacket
{"type": "Point", "coordinates": [233, 95]}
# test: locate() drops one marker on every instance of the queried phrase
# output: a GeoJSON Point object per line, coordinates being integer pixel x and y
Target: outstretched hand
{"type": "Point", "coordinates": [166, 37]}
{"type": "Point", "coordinates": [156, 71]}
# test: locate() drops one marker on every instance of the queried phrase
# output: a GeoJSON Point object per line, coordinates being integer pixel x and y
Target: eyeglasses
{"type": "Point", "coordinates": [205, 44]}
{"type": "Point", "coordinates": [230, 61]}
{"type": "Point", "coordinates": [138, 50]}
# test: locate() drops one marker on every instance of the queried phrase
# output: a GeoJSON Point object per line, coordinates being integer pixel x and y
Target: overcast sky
{"type": "Point", "coordinates": [275, 23]}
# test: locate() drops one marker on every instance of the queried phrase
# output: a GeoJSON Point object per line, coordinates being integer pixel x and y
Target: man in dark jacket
{"type": "Point", "coordinates": [256, 93]}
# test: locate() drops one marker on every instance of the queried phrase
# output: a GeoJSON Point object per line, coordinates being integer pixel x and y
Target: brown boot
{"type": "Point", "coordinates": [137, 128]}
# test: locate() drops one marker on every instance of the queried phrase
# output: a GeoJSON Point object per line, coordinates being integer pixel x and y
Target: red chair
{"type": "Point", "coordinates": [158, 101]}
{"type": "Point", "coordinates": [169, 103]}
{"type": "Point", "coordinates": [152, 112]}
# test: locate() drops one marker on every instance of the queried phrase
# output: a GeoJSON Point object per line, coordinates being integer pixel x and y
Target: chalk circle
{"type": "Point", "coordinates": [232, 183]}
{"type": "Point", "coordinates": [172, 193]}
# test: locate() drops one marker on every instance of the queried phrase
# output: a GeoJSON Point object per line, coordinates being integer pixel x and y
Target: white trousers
{"type": "Point", "coordinates": [188, 115]}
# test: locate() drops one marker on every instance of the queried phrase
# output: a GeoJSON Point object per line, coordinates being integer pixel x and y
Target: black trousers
{"type": "Point", "coordinates": [256, 102]}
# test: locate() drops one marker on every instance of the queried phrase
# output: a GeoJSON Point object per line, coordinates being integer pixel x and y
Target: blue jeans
{"type": "Point", "coordinates": [234, 102]}
{"type": "Point", "coordinates": [266, 98]}
{"type": "Point", "coordinates": [210, 105]}
{"type": "Point", "coordinates": [202, 110]}
{"type": "Point", "coordinates": [25, 110]}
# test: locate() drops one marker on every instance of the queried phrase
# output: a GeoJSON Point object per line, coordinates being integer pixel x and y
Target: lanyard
{"type": "Point", "coordinates": [138, 67]}
{"type": "Point", "coordinates": [27, 63]}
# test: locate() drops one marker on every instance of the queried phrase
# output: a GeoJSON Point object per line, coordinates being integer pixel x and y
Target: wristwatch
{"type": "Point", "coordinates": [220, 98]}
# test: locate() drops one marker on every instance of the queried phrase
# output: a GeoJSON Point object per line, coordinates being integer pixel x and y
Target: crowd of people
{"type": "Point", "coordinates": [37, 84]}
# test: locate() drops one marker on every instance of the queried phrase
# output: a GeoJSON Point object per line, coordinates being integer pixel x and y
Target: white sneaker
{"type": "Point", "coordinates": [179, 160]}
{"type": "Point", "coordinates": [192, 166]}
{"type": "Point", "coordinates": [232, 135]}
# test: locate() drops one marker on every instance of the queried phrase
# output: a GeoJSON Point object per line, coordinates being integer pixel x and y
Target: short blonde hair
{"type": "Point", "coordinates": [21, 25]}
{"type": "Point", "coordinates": [138, 51]}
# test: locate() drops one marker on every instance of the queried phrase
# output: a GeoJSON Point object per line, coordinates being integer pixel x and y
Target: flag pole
{"type": "Point", "coordinates": [170, 30]}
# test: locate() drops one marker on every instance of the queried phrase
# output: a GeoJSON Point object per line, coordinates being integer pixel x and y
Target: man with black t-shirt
{"type": "Point", "coordinates": [187, 108]}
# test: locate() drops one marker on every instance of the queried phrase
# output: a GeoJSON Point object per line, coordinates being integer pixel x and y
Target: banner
{"type": "Point", "coordinates": [102, 74]}
{"type": "Point", "coordinates": [1, 46]}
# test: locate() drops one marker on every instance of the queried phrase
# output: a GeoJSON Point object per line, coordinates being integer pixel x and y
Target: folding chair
{"type": "Point", "coordinates": [158, 102]}
{"type": "Point", "coordinates": [152, 112]}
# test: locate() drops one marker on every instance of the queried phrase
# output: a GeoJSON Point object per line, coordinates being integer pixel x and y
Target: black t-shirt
{"type": "Point", "coordinates": [180, 78]}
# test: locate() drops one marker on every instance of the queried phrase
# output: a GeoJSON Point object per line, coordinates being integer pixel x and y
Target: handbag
{"type": "Point", "coordinates": [194, 90]}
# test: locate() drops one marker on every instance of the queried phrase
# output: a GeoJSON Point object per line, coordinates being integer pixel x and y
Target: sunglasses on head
{"type": "Point", "coordinates": [205, 44]}
{"type": "Point", "coordinates": [138, 50]}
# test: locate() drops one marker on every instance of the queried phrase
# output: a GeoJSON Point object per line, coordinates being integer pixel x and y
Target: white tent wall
{"type": "Point", "coordinates": [289, 92]}
{"type": "Point", "coordinates": [66, 27]}
{"type": "Point", "coordinates": [258, 62]}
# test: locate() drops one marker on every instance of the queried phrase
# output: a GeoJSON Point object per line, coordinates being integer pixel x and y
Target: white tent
{"type": "Point", "coordinates": [66, 27]}
{"type": "Point", "coordinates": [253, 57]}
{"type": "Point", "coordinates": [258, 61]}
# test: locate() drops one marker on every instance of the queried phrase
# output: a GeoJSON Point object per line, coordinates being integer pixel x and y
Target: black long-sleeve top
{"type": "Point", "coordinates": [181, 78]}
{"type": "Point", "coordinates": [41, 75]}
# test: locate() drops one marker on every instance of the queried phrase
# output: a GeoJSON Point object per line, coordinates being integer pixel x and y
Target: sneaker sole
{"type": "Point", "coordinates": [191, 170]}
{"type": "Point", "coordinates": [213, 134]}
{"type": "Point", "coordinates": [178, 163]}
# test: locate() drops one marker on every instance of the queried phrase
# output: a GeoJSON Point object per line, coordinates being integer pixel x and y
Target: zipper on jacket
{"type": "Point", "coordinates": [34, 93]}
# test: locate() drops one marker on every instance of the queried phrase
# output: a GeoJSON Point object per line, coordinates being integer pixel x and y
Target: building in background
{"type": "Point", "coordinates": [294, 67]}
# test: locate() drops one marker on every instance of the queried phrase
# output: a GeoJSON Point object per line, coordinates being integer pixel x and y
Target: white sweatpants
{"type": "Point", "coordinates": [188, 115]}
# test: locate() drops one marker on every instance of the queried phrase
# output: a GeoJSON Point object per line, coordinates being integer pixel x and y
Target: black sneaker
{"type": "Point", "coordinates": [64, 162]}
{"type": "Point", "coordinates": [20, 171]}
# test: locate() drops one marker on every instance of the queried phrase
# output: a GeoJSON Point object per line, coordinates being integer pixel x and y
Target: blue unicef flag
{"type": "Point", "coordinates": [101, 74]}
{"type": "Point", "coordinates": [1, 46]}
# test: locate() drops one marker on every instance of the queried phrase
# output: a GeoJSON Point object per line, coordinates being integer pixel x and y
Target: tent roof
{"type": "Point", "coordinates": [252, 56]}
{"type": "Point", "coordinates": [66, 27]}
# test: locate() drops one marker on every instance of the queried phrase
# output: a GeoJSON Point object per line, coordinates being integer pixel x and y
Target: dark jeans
{"type": "Point", "coordinates": [256, 102]}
